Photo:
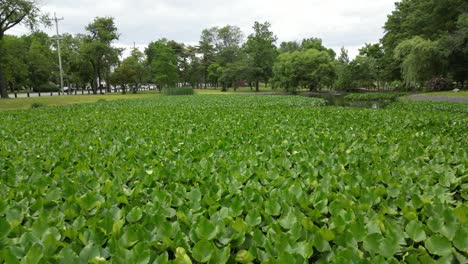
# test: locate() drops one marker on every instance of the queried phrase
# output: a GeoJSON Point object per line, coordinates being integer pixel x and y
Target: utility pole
{"type": "Point", "coordinates": [59, 51]}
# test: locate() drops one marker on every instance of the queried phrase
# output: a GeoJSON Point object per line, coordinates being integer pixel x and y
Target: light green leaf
{"type": "Point", "coordinates": [134, 215]}
{"type": "Point", "coordinates": [181, 256]}
{"type": "Point", "coordinates": [438, 245]}
{"type": "Point", "coordinates": [202, 251]}
{"type": "Point", "coordinates": [244, 256]}
{"type": "Point", "coordinates": [415, 230]}
{"type": "Point", "coordinates": [205, 229]}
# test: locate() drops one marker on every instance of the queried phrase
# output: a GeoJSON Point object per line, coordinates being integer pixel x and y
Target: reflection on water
{"type": "Point", "coordinates": [340, 100]}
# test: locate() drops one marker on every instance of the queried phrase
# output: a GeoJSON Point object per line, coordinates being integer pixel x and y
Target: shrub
{"type": "Point", "coordinates": [38, 105]}
{"type": "Point", "coordinates": [178, 91]}
{"type": "Point", "coordinates": [373, 96]}
{"type": "Point", "coordinates": [439, 84]}
{"type": "Point", "coordinates": [47, 87]}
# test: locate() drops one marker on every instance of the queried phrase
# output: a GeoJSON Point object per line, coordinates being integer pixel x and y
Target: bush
{"type": "Point", "coordinates": [47, 87]}
{"type": "Point", "coordinates": [439, 84]}
{"type": "Point", "coordinates": [178, 91]}
{"type": "Point", "coordinates": [373, 96]}
{"type": "Point", "coordinates": [38, 105]}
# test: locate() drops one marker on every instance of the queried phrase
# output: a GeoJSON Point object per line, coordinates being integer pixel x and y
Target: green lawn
{"type": "Point", "coordinates": [459, 94]}
{"type": "Point", "coordinates": [25, 103]}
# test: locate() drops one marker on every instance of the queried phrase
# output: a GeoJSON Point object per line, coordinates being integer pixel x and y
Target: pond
{"type": "Point", "coordinates": [340, 100]}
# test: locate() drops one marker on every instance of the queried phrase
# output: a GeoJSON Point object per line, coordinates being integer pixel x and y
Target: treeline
{"type": "Point", "coordinates": [425, 47]}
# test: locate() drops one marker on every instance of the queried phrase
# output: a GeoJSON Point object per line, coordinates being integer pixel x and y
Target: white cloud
{"type": "Point", "coordinates": [348, 23]}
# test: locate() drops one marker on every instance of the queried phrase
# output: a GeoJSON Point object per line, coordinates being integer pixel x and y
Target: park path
{"type": "Point", "coordinates": [453, 99]}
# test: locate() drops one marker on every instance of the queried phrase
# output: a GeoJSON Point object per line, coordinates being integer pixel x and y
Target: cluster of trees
{"type": "Point", "coordinates": [426, 40]}
{"type": "Point", "coordinates": [425, 44]}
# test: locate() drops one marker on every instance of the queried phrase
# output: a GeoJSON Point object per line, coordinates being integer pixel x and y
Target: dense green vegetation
{"type": "Point", "coordinates": [373, 96]}
{"type": "Point", "coordinates": [424, 48]}
{"type": "Point", "coordinates": [218, 179]}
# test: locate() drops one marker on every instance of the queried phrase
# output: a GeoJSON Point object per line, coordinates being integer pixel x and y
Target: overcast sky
{"type": "Point", "coordinates": [348, 23]}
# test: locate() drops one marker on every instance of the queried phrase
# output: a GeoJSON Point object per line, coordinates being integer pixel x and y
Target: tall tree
{"type": "Point", "coordinates": [310, 68]}
{"type": "Point", "coordinates": [345, 78]}
{"type": "Point", "coordinates": [98, 50]}
{"type": "Point", "coordinates": [206, 47]}
{"type": "Point", "coordinates": [262, 52]}
{"type": "Point", "coordinates": [40, 61]}
{"type": "Point", "coordinates": [428, 19]}
{"type": "Point", "coordinates": [162, 61]}
{"type": "Point", "coordinates": [14, 66]}
{"type": "Point", "coordinates": [421, 59]}
{"type": "Point", "coordinates": [13, 13]}
{"type": "Point", "coordinates": [131, 72]}
{"type": "Point", "coordinates": [289, 46]}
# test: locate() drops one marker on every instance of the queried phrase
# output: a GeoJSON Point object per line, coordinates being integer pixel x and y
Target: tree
{"type": "Point", "coordinates": [262, 52]}
{"type": "Point", "coordinates": [454, 47]}
{"type": "Point", "coordinates": [345, 78]}
{"type": "Point", "coordinates": [421, 59]}
{"type": "Point", "coordinates": [375, 62]}
{"type": "Point", "coordinates": [14, 67]}
{"type": "Point", "coordinates": [207, 50]}
{"type": "Point", "coordinates": [162, 61]}
{"type": "Point", "coordinates": [316, 43]}
{"type": "Point", "coordinates": [310, 68]}
{"type": "Point", "coordinates": [131, 72]}
{"type": "Point", "coordinates": [98, 51]}
{"type": "Point", "coordinates": [40, 61]}
{"type": "Point", "coordinates": [429, 19]}
{"type": "Point", "coordinates": [12, 13]}
{"type": "Point", "coordinates": [214, 73]}
{"type": "Point", "coordinates": [289, 46]}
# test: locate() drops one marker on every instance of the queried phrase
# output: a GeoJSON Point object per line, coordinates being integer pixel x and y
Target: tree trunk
{"type": "Point", "coordinates": [3, 87]}
{"type": "Point", "coordinates": [257, 86]}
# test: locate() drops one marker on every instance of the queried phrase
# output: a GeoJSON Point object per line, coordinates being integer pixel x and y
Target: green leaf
{"type": "Point", "coordinates": [205, 229]}
{"type": "Point", "coordinates": [134, 215]}
{"type": "Point", "coordinates": [388, 247]}
{"type": "Point", "coordinates": [461, 239]}
{"type": "Point", "coordinates": [415, 230]}
{"type": "Point", "coordinates": [327, 234]}
{"type": "Point", "coordinates": [305, 249]}
{"type": "Point", "coordinates": [253, 218]}
{"type": "Point", "coordinates": [321, 244]}
{"type": "Point", "coordinates": [202, 251]}
{"type": "Point", "coordinates": [244, 256]}
{"type": "Point", "coordinates": [4, 228]}
{"type": "Point", "coordinates": [221, 256]}
{"type": "Point", "coordinates": [68, 256]}
{"type": "Point", "coordinates": [439, 245]}
{"type": "Point", "coordinates": [14, 217]}
{"type": "Point", "coordinates": [288, 220]}
{"type": "Point", "coordinates": [372, 242]}
{"type": "Point", "coordinates": [89, 252]}
{"type": "Point", "coordinates": [181, 256]}
{"type": "Point", "coordinates": [34, 255]}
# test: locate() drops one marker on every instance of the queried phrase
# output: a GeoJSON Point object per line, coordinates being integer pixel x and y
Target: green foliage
{"type": "Point", "coordinates": [373, 96]}
{"type": "Point", "coordinates": [420, 60]}
{"type": "Point", "coordinates": [97, 50]}
{"type": "Point", "coordinates": [261, 49]}
{"type": "Point", "coordinates": [178, 91]}
{"type": "Point", "coordinates": [308, 68]}
{"type": "Point", "coordinates": [14, 13]}
{"type": "Point", "coordinates": [162, 61]}
{"type": "Point", "coordinates": [131, 72]}
{"type": "Point", "coordinates": [38, 105]}
{"type": "Point", "coordinates": [434, 22]}
{"type": "Point", "coordinates": [220, 179]}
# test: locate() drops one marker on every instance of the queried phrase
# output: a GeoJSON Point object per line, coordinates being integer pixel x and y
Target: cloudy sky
{"type": "Point", "coordinates": [348, 23]}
